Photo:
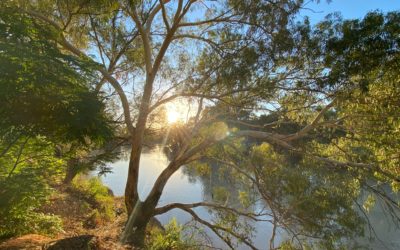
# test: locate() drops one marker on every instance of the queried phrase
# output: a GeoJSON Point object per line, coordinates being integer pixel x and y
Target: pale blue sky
{"type": "Point", "coordinates": [349, 8]}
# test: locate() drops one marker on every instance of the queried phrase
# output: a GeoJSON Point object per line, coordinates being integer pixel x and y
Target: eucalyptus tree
{"type": "Point", "coordinates": [235, 60]}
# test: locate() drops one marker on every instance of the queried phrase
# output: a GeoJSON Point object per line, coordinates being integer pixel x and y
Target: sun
{"type": "Point", "coordinates": [175, 112]}
{"type": "Point", "coordinates": [179, 111]}
{"type": "Point", "coordinates": [173, 116]}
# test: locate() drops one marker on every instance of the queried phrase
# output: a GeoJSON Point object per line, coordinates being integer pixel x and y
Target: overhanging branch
{"type": "Point", "coordinates": [216, 229]}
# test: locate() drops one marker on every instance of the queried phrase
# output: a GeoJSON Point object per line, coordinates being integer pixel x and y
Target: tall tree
{"type": "Point", "coordinates": [234, 59]}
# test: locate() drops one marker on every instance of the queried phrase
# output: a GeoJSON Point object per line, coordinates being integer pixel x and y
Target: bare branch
{"type": "Point", "coordinates": [203, 39]}
{"type": "Point", "coordinates": [153, 13]}
{"type": "Point", "coordinates": [217, 228]}
{"type": "Point", "coordinates": [144, 34]}
{"type": "Point", "coordinates": [218, 19]}
{"type": "Point", "coordinates": [269, 137]}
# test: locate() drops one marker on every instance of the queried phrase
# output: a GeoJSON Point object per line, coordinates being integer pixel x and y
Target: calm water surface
{"type": "Point", "coordinates": [184, 190]}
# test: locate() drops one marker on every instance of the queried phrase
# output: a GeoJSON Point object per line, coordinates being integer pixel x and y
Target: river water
{"type": "Point", "coordinates": [184, 189]}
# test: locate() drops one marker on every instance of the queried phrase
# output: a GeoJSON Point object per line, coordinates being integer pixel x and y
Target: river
{"type": "Point", "coordinates": [184, 189]}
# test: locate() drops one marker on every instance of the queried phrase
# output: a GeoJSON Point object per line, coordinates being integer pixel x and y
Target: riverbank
{"type": "Point", "coordinates": [78, 215]}
{"type": "Point", "coordinates": [82, 225]}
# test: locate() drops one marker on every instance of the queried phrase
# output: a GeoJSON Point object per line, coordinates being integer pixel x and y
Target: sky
{"type": "Point", "coordinates": [349, 8]}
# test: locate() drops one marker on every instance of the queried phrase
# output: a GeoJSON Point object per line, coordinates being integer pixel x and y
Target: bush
{"type": "Point", "coordinates": [24, 187]}
{"type": "Point", "coordinates": [30, 222]}
{"type": "Point", "coordinates": [171, 238]}
{"type": "Point", "coordinates": [98, 195]}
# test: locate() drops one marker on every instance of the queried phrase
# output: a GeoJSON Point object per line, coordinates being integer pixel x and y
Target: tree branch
{"type": "Point", "coordinates": [166, 208]}
{"type": "Point", "coordinates": [303, 132]}
{"type": "Point", "coordinates": [21, 148]}
{"type": "Point", "coordinates": [216, 228]}
{"type": "Point", "coordinates": [164, 15]}
{"type": "Point", "coordinates": [114, 82]}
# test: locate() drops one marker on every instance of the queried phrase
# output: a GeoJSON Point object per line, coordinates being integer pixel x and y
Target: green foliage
{"type": "Point", "coordinates": [266, 63]}
{"type": "Point", "coordinates": [220, 194]}
{"type": "Point", "coordinates": [98, 193]}
{"type": "Point", "coordinates": [287, 245]}
{"type": "Point", "coordinates": [30, 222]}
{"type": "Point", "coordinates": [43, 91]}
{"type": "Point", "coordinates": [362, 51]}
{"type": "Point", "coordinates": [170, 239]}
{"type": "Point", "coordinates": [244, 198]}
{"type": "Point", "coordinates": [312, 195]}
{"type": "Point", "coordinates": [301, 191]}
{"type": "Point", "coordinates": [27, 167]}
{"type": "Point", "coordinates": [46, 97]}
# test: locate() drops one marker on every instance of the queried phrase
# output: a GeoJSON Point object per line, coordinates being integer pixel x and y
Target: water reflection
{"type": "Point", "coordinates": [385, 232]}
{"type": "Point", "coordinates": [185, 186]}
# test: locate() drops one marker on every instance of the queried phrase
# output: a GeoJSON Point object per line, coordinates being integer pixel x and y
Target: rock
{"type": "Point", "coordinates": [81, 242]}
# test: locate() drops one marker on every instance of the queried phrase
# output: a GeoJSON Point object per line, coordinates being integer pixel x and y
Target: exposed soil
{"type": "Point", "coordinates": [81, 231]}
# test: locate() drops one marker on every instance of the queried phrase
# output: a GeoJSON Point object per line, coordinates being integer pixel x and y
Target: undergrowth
{"type": "Point", "coordinates": [97, 195]}
{"type": "Point", "coordinates": [172, 238]}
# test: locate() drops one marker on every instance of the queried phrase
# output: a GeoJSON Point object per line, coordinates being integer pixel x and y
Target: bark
{"type": "Point", "coordinates": [71, 172]}
{"type": "Point", "coordinates": [142, 212]}
{"type": "Point", "coordinates": [131, 191]}
{"type": "Point", "coordinates": [135, 228]}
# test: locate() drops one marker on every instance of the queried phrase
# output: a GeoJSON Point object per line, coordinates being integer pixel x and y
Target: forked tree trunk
{"type": "Point", "coordinates": [139, 212]}
{"type": "Point", "coordinates": [135, 228]}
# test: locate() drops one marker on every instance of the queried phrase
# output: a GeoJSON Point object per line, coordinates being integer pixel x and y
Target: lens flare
{"type": "Point", "coordinates": [173, 116]}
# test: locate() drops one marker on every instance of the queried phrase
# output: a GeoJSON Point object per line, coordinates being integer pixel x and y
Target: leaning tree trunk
{"type": "Point", "coordinates": [135, 229]}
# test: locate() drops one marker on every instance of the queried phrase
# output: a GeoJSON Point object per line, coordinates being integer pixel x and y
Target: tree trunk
{"type": "Point", "coordinates": [131, 189]}
{"type": "Point", "coordinates": [139, 212]}
{"type": "Point", "coordinates": [139, 218]}
{"type": "Point", "coordinates": [135, 228]}
{"type": "Point", "coordinates": [72, 171]}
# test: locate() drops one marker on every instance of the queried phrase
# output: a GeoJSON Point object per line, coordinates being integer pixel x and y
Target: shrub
{"type": "Point", "coordinates": [24, 187]}
{"type": "Point", "coordinates": [171, 238]}
{"type": "Point", "coordinates": [95, 191]}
